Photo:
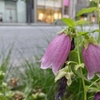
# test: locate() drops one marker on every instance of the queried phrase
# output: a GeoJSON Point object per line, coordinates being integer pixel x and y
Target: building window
{"type": "Point", "coordinates": [48, 11]}
{"type": "Point", "coordinates": [48, 15]}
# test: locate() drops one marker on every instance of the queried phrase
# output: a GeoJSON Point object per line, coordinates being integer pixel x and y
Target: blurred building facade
{"type": "Point", "coordinates": [34, 11]}
{"type": "Point", "coordinates": [49, 10]}
{"type": "Point", "coordinates": [13, 11]}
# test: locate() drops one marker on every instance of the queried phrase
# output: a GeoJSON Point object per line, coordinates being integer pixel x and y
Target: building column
{"type": "Point", "coordinates": [72, 10]}
{"type": "Point", "coordinates": [29, 6]}
{"type": "Point", "coordinates": [34, 11]}
{"type": "Point", "coordinates": [31, 10]}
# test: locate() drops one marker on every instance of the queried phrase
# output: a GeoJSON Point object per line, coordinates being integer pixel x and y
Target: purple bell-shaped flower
{"type": "Point", "coordinates": [56, 52]}
{"type": "Point", "coordinates": [91, 58]}
{"type": "Point", "coordinates": [97, 96]}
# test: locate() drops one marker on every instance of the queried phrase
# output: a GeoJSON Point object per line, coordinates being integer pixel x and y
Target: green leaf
{"type": "Point", "coordinates": [95, 31]}
{"type": "Point", "coordinates": [86, 10]}
{"type": "Point", "coordinates": [82, 22]}
{"type": "Point", "coordinates": [82, 33]}
{"type": "Point", "coordinates": [94, 89]}
{"type": "Point", "coordinates": [2, 74]}
{"type": "Point", "coordinates": [73, 56]}
{"type": "Point", "coordinates": [69, 22]}
{"type": "Point", "coordinates": [79, 65]}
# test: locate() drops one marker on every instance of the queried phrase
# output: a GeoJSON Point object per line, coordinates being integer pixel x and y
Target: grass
{"type": "Point", "coordinates": [30, 76]}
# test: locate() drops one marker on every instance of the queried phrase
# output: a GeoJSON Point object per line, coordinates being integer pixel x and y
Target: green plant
{"type": "Point", "coordinates": [85, 63]}
{"type": "Point", "coordinates": [5, 92]}
{"type": "Point", "coordinates": [36, 79]}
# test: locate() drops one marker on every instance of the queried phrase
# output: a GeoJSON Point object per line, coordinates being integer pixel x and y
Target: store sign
{"type": "Point", "coordinates": [66, 2]}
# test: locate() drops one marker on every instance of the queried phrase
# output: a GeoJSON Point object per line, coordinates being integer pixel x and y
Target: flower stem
{"type": "Point", "coordinates": [85, 92]}
{"type": "Point", "coordinates": [82, 76]}
{"type": "Point", "coordinates": [98, 21]}
{"type": "Point", "coordinates": [94, 82]}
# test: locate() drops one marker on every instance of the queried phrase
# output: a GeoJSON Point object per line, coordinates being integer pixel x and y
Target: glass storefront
{"type": "Point", "coordinates": [48, 14]}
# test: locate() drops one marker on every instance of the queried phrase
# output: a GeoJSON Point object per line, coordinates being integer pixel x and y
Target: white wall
{"type": "Point", "coordinates": [2, 9]}
{"type": "Point", "coordinates": [21, 11]}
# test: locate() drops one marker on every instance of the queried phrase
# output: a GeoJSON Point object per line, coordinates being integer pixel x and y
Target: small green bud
{"type": "Point", "coordinates": [42, 95]}
{"type": "Point", "coordinates": [34, 96]}
{"type": "Point", "coordinates": [4, 84]}
{"type": "Point", "coordinates": [1, 94]}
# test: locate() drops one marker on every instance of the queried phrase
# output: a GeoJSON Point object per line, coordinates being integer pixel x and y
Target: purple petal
{"type": "Point", "coordinates": [97, 96]}
{"type": "Point", "coordinates": [91, 58]}
{"type": "Point", "coordinates": [56, 53]}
